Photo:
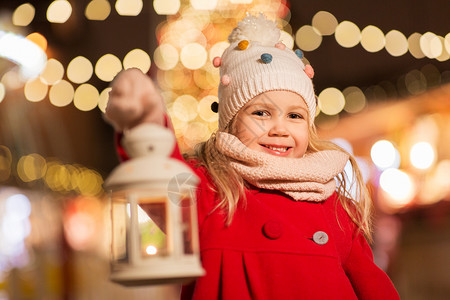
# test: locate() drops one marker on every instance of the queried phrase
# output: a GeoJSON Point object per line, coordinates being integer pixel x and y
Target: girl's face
{"type": "Point", "coordinates": [274, 122]}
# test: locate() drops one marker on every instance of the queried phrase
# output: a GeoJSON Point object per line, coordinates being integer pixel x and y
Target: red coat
{"type": "Point", "coordinates": [278, 248]}
{"type": "Point", "coordinates": [269, 251]}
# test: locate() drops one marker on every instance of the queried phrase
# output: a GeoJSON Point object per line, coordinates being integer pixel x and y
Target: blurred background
{"type": "Point", "coordinates": [382, 77]}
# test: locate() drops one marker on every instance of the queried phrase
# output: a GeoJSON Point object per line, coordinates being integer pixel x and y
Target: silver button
{"type": "Point", "coordinates": [320, 238]}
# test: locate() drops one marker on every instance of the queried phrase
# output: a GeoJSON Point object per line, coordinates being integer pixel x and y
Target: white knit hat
{"type": "Point", "coordinates": [256, 62]}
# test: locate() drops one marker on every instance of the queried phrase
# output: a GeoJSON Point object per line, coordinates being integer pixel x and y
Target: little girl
{"type": "Point", "coordinates": [275, 217]}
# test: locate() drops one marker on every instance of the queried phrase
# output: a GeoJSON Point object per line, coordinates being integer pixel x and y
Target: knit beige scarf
{"type": "Point", "coordinates": [310, 178]}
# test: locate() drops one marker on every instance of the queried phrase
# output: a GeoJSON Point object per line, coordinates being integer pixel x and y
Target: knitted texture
{"type": "Point", "coordinates": [259, 65]}
{"type": "Point", "coordinates": [310, 178]}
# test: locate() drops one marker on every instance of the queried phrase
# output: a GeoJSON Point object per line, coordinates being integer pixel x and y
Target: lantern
{"type": "Point", "coordinates": [153, 211]}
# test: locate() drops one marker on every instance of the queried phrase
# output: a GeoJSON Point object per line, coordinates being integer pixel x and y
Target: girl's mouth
{"type": "Point", "coordinates": [277, 150]}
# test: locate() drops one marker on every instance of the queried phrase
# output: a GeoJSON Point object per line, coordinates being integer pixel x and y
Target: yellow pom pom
{"type": "Point", "coordinates": [243, 44]}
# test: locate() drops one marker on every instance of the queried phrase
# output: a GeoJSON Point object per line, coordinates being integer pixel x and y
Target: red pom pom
{"type": "Point", "coordinates": [309, 71]}
{"type": "Point", "coordinates": [217, 61]}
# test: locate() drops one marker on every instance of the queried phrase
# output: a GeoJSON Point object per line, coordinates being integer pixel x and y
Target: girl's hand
{"type": "Point", "coordinates": [133, 100]}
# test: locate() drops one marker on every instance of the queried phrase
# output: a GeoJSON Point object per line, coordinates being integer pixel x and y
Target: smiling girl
{"type": "Point", "coordinates": [275, 216]}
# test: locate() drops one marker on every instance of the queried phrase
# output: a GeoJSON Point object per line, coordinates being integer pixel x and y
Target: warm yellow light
{"type": "Point", "coordinates": [31, 167]}
{"type": "Point", "coordinates": [204, 108]}
{"type": "Point", "coordinates": [103, 99]}
{"type": "Point", "coordinates": [53, 72]}
{"type": "Point", "coordinates": [431, 45]}
{"type": "Point", "coordinates": [35, 90]}
{"type": "Point", "coordinates": [372, 39]}
{"type": "Point", "coordinates": [107, 67]}
{"type": "Point", "coordinates": [86, 97]}
{"type": "Point", "coordinates": [217, 49]}
{"type": "Point", "coordinates": [384, 155]}
{"type": "Point", "coordinates": [2, 92]}
{"type": "Point", "coordinates": [151, 250]}
{"type": "Point", "coordinates": [204, 4]}
{"type": "Point", "coordinates": [89, 182]}
{"type": "Point", "coordinates": [193, 56]}
{"type": "Point", "coordinates": [166, 57]}
{"type": "Point", "coordinates": [137, 58]}
{"type": "Point", "coordinates": [444, 55]}
{"type": "Point", "coordinates": [331, 101]}
{"type": "Point", "coordinates": [422, 155]}
{"type": "Point", "coordinates": [287, 39]}
{"type": "Point", "coordinates": [398, 186]}
{"type": "Point", "coordinates": [308, 38]}
{"type": "Point", "coordinates": [38, 39]}
{"type": "Point", "coordinates": [347, 34]}
{"type": "Point", "coordinates": [80, 70]}
{"type": "Point", "coordinates": [166, 7]}
{"type": "Point", "coordinates": [98, 10]}
{"type": "Point", "coordinates": [61, 94]}
{"type": "Point", "coordinates": [396, 43]}
{"type": "Point", "coordinates": [185, 108]}
{"type": "Point", "coordinates": [325, 22]}
{"type": "Point", "coordinates": [23, 15]}
{"type": "Point", "coordinates": [59, 11]}
{"type": "Point", "coordinates": [355, 100]}
{"type": "Point", "coordinates": [241, 1]}
{"type": "Point", "coordinates": [414, 45]}
{"type": "Point", "coordinates": [129, 7]}
{"type": "Point", "coordinates": [447, 43]}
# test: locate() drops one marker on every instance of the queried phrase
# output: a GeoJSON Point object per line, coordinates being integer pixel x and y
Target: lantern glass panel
{"type": "Point", "coordinates": [187, 206]}
{"type": "Point", "coordinates": [120, 229]}
{"type": "Point", "coordinates": [153, 227]}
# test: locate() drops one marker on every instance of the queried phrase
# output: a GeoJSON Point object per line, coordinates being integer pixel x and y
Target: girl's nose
{"type": "Point", "coordinates": [278, 129]}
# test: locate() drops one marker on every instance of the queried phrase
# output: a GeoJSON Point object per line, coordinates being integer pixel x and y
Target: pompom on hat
{"type": "Point", "coordinates": [257, 62]}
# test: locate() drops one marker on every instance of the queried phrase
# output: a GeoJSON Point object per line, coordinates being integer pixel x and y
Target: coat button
{"type": "Point", "coordinates": [320, 238]}
{"type": "Point", "coordinates": [272, 230]}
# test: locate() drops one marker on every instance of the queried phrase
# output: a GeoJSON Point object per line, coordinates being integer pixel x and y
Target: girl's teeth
{"type": "Point", "coordinates": [280, 149]}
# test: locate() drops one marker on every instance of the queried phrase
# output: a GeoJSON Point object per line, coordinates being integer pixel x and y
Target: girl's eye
{"type": "Point", "coordinates": [295, 116]}
{"type": "Point", "coordinates": [260, 113]}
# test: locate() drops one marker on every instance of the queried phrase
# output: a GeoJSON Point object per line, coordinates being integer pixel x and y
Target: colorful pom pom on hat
{"type": "Point", "coordinates": [257, 62]}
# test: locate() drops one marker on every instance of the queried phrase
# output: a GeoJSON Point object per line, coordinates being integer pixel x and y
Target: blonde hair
{"type": "Point", "coordinates": [226, 180]}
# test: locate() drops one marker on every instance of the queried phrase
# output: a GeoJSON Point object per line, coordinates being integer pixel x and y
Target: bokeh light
{"type": "Point", "coordinates": [431, 45]}
{"type": "Point", "coordinates": [107, 67]}
{"type": "Point", "coordinates": [79, 70]}
{"type": "Point", "coordinates": [35, 90]}
{"type": "Point", "coordinates": [355, 100]}
{"type": "Point", "coordinates": [38, 39]}
{"type": "Point", "coordinates": [166, 7]}
{"type": "Point", "coordinates": [204, 108]}
{"type": "Point", "coordinates": [193, 56]}
{"type": "Point", "coordinates": [5, 163]}
{"type": "Point", "coordinates": [422, 155]}
{"type": "Point", "coordinates": [331, 101]}
{"type": "Point", "coordinates": [308, 38]}
{"type": "Point", "coordinates": [61, 94]}
{"type": "Point", "coordinates": [31, 167]}
{"type": "Point", "coordinates": [23, 15]}
{"type": "Point", "coordinates": [396, 43]}
{"type": "Point", "coordinates": [137, 58]}
{"type": "Point", "coordinates": [185, 108]}
{"type": "Point", "coordinates": [59, 11]}
{"type": "Point", "coordinates": [86, 97]}
{"type": "Point", "coordinates": [325, 22]}
{"type": "Point", "coordinates": [103, 99]}
{"type": "Point", "coordinates": [414, 45]}
{"type": "Point", "coordinates": [166, 57]}
{"type": "Point", "coordinates": [384, 155]}
{"type": "Point", "coordinates": [98, 10]}
{"type": "Point", "coordinates": [372, 39]}
{"type": "Point", "coordinates": [398, 187]}
{"type": "Point", "coordinates": [53, 72]}
{"type": "Point", "coordinates": [347, 34]}
{"type": "Point", "coordinates": [217, 49]}
{"type": "Point", "coordinates": [129, 7]}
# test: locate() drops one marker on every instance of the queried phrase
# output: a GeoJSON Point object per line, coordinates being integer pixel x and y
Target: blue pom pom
{"type": "Point", "coordinates": [299, 53]}
{"type": "Point", "coordinates": [266, 58]}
